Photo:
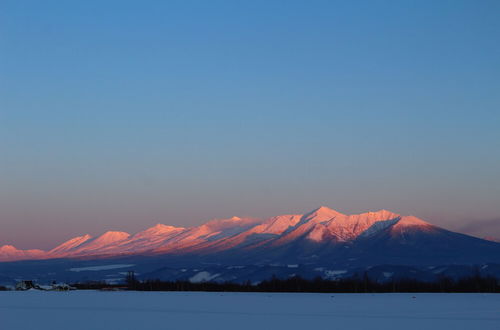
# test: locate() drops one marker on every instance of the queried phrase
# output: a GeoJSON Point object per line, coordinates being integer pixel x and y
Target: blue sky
{"type": "Point", "coordinates": [123, 114]}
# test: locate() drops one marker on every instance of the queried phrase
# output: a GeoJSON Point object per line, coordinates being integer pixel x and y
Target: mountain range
{"type": "Point", "coordinates": [320, 239]}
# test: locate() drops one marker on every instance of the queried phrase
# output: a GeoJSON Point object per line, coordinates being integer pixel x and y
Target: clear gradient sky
{"type": "Point", "coordinates": [123, 114]}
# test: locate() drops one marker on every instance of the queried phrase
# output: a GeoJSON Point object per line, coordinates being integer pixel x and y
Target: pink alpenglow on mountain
{"type": "Point", "coordinates": [9, 252]}
{"type": "Point", "coordinates": [322, 229]}
{"type": "Point", "coordinates": [70, 245]}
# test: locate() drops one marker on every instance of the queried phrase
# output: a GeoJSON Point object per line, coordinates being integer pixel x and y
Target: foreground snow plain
{"type": "Point", "coordinates": [202, 310]}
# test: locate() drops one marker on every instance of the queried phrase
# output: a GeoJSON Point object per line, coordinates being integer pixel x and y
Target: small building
{"type": "Point", "coordinates": [26, 285]}
{"type": "Point", "coordinates": [61, 287]}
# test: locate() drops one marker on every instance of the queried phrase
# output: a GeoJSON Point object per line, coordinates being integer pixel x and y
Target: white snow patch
{"type": "Point", "coordinates": [335, 272]}
{"type": "Point", "coordinates": [439, 270]}
{"type": "Point", "coordinates": [387, 274]}
{"type": "Point", "coordinates": [202, 277]}
{"type": "Point", "coordinates": [46, 287]}
{"type": "Point", "coordinates": [293, 266]}
{"type": "Point", "coordinates": [235, 267]}
{"type": "Point", "coordinates": [98, 268]}
{"type": "Point", "coordinates": [125, 274]}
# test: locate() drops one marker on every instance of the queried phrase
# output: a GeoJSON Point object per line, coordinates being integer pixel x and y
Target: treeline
{"type": "Point", "coordinates": [298, 284]}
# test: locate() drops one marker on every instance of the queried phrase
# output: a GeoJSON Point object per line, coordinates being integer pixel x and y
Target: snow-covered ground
{"type": "Point", "coordinates": [199, 310]}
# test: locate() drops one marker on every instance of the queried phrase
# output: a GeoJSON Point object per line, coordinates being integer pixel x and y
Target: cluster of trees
{"type": "Point", "coordinates": [361, 284]}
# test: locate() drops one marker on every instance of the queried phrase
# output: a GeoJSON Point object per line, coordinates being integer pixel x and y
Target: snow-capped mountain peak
{"type": "Point", "coordinates": [161, 229]}
{"type": "Point", "coordinates": [322, 213]}
{"type": "Point", "coordinates": [10, 252]}
{"type": "Point", "coordinates": [322, 227]}
{"type": "Point", "coordinates": [111, 237]}
{"type": "Point", "coordinates": [8, 248]}
{"type": "Point", "coordinates": [412, 221]}
{"type": "Point", "coordinates": [70, 245]}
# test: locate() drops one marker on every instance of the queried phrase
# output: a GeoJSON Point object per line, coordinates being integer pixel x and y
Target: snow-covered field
{"type": "Point", "coordinates": [198, 310]}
